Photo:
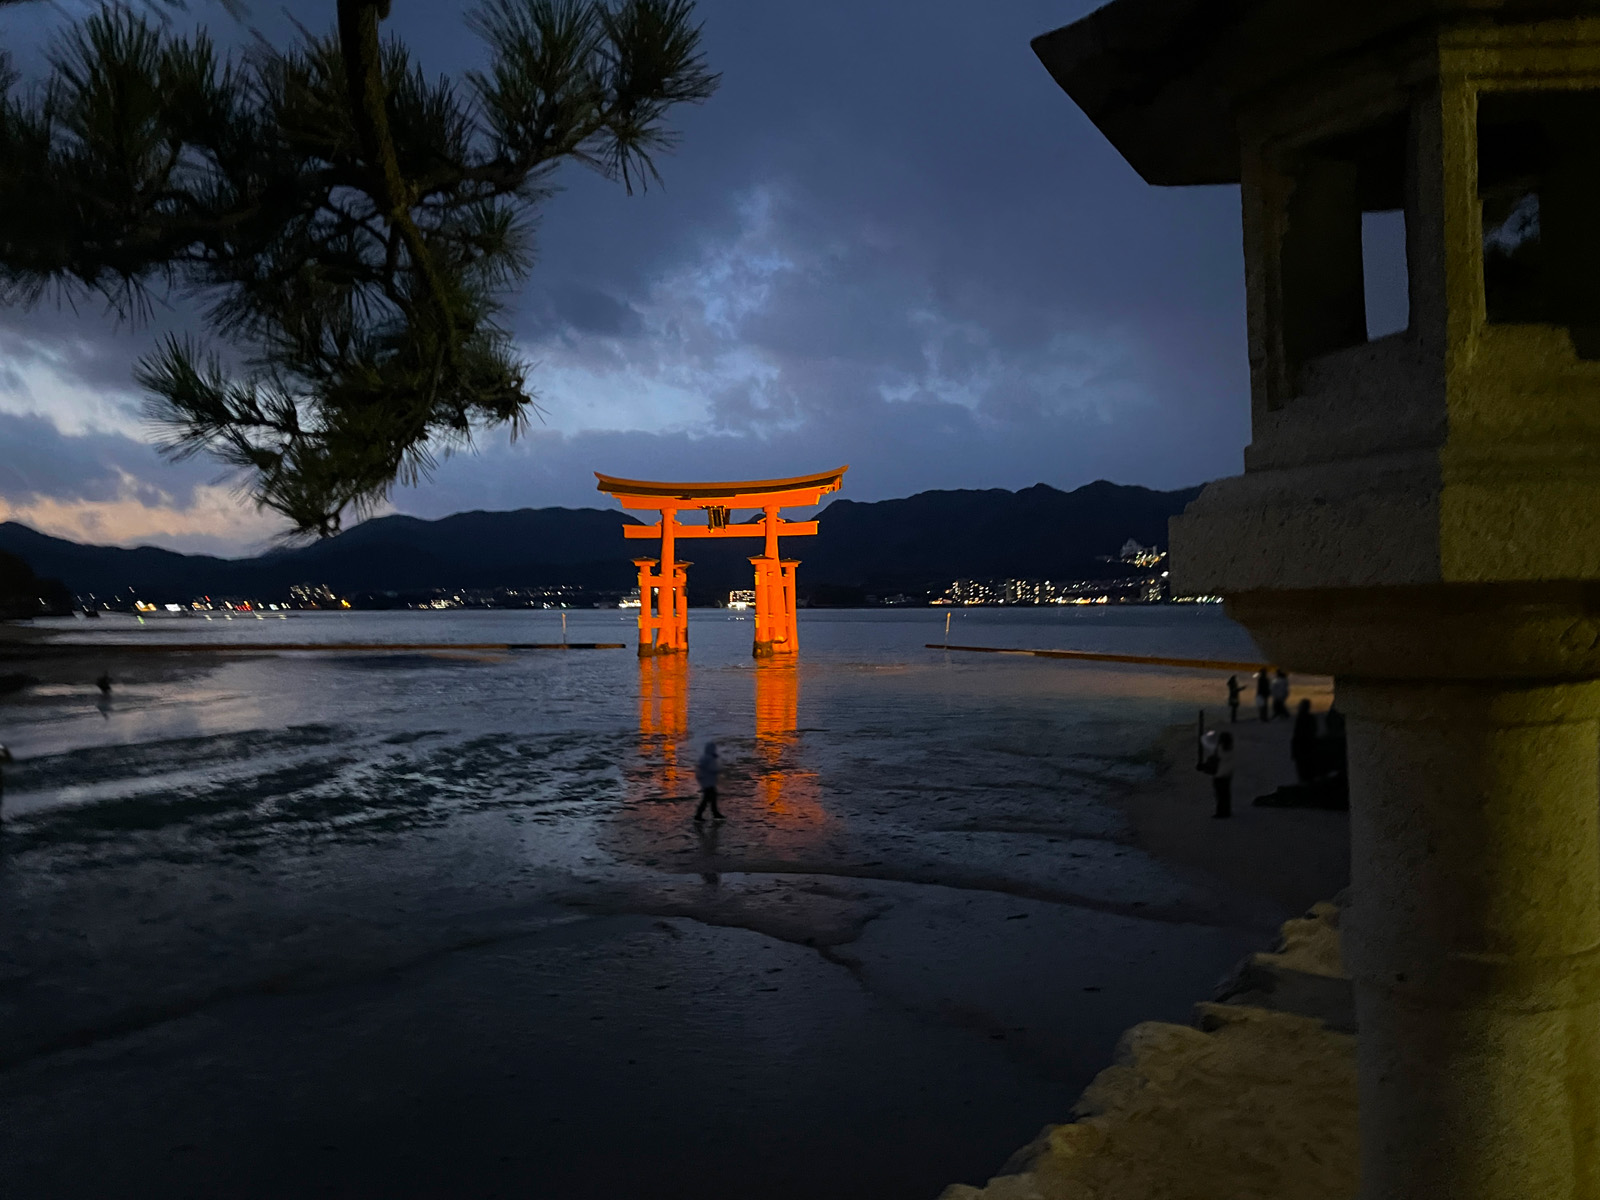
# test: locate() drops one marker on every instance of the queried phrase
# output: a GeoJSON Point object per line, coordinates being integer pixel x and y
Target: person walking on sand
{"type": "Point", "coordinates": [1303, 743]}
{"type": "Point", "coordinates": [1280, 695]}
{"type": "Point", "coordinates": [1222, 776]}
{"type": "Point", "coordinates": [1263, 693]}
{"type": "Point", "coordinates": [705, 774]}
{"type": "Point", "coordinates": [1235, 688]}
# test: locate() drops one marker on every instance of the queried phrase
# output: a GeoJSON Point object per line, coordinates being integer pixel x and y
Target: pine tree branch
{"type": "Point", "coordinates": [363, 66]}
{"type": "Point", "coordinates": [351, 228]}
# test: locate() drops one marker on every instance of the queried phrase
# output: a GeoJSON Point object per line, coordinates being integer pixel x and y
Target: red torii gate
{"type": "Point", "coordinates": [663, 603]}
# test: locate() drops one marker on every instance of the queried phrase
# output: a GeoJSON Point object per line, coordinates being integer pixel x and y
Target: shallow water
{"type": "Point", "coordinates": [914, 940]}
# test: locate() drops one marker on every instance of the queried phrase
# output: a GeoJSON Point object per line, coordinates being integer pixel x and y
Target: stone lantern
{"type": "Point", "coordinates": [1419, 514]}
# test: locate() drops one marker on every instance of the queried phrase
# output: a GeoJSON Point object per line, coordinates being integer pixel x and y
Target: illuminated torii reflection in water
{"type": "Point", "coordinates": [783, 789]}
{"type": "Point", "coordinates": [663, 600]}
{"type": "Point", "coordinates": [664, 723]}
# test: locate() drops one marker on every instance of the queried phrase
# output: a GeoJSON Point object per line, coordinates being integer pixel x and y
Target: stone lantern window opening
{"type": "Point", "coordinates": [1539, 191]}
{"type": "Point", "coordinates": [1386, 273]}
{"type": "Point", "coordinates": [1342, 254]}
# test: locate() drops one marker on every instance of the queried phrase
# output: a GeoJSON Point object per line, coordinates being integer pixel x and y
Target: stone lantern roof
{"type": "Point", "coordinates": [1162, 78]}
{"type": "Point", "coordinates": [1456, 442]}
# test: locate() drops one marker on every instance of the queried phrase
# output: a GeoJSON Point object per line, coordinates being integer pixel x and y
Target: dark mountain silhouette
{"type": "Point", "coordinates": [107, 570]}
{"type": "Point", "coordinates": [910, 545]}
{"type": "Point", "coordinates": [24, 594]}
{"type": "Point", "coordinates": [527, 548]}
{"type": "Point", "coordinates": [1037, 533]}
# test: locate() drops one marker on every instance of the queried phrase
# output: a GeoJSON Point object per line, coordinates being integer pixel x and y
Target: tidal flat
{"type": "Point", "coordinates": [440, 924]}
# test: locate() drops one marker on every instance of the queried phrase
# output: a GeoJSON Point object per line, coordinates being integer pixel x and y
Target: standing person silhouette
{"type": "Point", "coordinates": [1280, 695]}
{"type": "Point", "coordinates": [705, 774]}
{"type": "Point", "coordinates": [5, 757]}
{"type": "Point", "coordinates": [1234, 690]}
{"type": "Point", "coordinates": [1222, 777]}
{"type": "Point", "coordinates": [1263, 693]}
{"type": "Point", "coordinates": [1303, 742]}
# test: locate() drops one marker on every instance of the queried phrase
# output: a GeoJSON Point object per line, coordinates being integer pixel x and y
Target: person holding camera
{"type": "Point", "coordinates": [1217, 762]}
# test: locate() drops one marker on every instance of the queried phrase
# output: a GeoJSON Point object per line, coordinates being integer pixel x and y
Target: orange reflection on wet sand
{"type": "Point", "coordinates": [664, 724]}
{"type": "Point", "coordinates": [782, 788]}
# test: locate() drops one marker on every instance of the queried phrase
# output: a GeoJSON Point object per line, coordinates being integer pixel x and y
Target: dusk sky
{"type": "Point", "coordinates": [889, 240]}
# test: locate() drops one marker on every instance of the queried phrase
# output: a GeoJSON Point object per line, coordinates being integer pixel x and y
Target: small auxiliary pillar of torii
{"type": "Point", "coordinates": [663, 599]}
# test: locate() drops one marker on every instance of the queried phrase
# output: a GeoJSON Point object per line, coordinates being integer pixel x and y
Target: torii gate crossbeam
{"type": "Point", "coordinates": [663, 602]}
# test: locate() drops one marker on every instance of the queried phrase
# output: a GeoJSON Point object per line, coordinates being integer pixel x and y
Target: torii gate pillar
{"type": "Point", "coordinates": [777, 629]}
{"type": "Point", "coordinates": [663, 607]}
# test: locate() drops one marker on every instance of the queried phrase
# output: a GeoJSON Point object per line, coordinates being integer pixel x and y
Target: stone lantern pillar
{"type": "Point", "coordinates": [1419, 514]}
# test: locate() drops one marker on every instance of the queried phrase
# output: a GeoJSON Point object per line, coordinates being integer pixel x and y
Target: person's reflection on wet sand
{"type": "Point", "coordinates": [708, 835]}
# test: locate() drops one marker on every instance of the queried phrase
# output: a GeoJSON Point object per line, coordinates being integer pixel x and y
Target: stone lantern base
{"type": "Point", "coordinates": [1474, 930]}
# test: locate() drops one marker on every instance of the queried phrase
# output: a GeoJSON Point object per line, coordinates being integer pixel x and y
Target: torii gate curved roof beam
{"type": "Point", "coordinates": [801, 490]}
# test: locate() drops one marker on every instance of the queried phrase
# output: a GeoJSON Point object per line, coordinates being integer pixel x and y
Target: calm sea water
{"type": "Point", "coordinates": [915, 939]}
{"type": "Point", "coordinates": [599, 689]}
{"type": "Point", "coordinates": [716, 635]}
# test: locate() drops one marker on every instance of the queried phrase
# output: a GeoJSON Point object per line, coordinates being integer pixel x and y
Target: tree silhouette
{"type": "Point", "coordinates": [350, 227]}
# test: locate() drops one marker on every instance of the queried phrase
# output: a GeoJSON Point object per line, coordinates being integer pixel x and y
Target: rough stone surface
{"type": "Point", "coordinates": [1262, 1108]}
{"type": "Point", "coordinates": [1255, 1101]}
{"type": "Point", "coordinates": [1305, 975]}
{"type": "Point", "coordinates": [1311, 944]}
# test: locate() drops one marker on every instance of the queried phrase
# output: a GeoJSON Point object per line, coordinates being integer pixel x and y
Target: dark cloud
{"type": "Point", "coordinates": [83, 341]}
{"type": "Point", "coordinates": [885, 443]}
{"type": "Point", "coordinates": [40, 462]}
{"type": "Point", "coordinates": [586, 310]}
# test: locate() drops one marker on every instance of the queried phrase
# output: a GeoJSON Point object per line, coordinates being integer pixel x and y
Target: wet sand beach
{"type": "Point", "coordinates": [429, 926]}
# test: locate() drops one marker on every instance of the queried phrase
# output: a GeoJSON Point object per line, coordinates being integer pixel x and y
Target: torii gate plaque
{"type": "Point", "coordinates": [663, 605]}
